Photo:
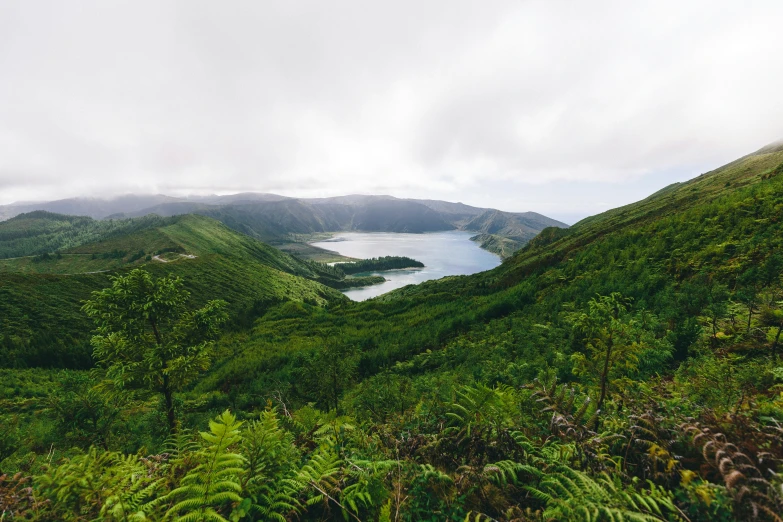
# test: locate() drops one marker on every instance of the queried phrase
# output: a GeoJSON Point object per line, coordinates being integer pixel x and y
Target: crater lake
{"type": "Point", "coordinates": [443, 254]}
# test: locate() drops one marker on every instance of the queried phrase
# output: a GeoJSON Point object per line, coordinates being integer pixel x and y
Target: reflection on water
{"type": "Point", "coordinates": [443, 254]}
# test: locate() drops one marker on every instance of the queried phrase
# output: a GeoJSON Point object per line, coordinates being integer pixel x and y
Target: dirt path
{"type": "Point", "coordinates": [181, 256]}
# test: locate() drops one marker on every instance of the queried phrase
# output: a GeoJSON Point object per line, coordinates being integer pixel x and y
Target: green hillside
{"type": "Point", "coordinates": [626, 368]}
{"type": "Point", "coordinates": [41, 232]}
{"type": "Point", "coordinates": [41, 298]}
{"type": "Point", "coordinates": [691, 258]}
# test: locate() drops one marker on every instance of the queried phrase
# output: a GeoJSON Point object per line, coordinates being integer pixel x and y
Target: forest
{"type": "Point", "coordinates": [377, 264]}
{"type": "Point", "coordinates": [626, 368]}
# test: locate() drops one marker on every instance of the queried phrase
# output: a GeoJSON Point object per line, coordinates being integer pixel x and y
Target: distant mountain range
{"type": "Point", "coordinates": [274, 219]}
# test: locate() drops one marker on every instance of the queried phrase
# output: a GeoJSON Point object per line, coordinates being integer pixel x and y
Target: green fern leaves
{"type": "Point", "coordinates": [208, 489]}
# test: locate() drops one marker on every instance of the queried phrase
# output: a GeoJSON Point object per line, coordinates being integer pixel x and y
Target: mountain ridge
{"type": "Point", "coordinates": [273, 219]}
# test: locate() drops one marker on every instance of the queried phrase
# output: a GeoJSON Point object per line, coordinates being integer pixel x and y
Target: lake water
{"type": "Point", "coordinates": [443, 254]}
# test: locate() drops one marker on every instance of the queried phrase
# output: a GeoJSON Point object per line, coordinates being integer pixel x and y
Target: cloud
{"type": "Point", "coordinates": [501, 103]}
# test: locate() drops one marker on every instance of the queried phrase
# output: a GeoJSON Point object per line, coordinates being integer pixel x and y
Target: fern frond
{"type": "Point", "coordinates": [215, 481]}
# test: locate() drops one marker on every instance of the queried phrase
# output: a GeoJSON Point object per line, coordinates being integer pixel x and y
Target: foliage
{"type": "Point", "coordinates": [624, 369]}
{"type": "Point", "coordinates": [214, 483]}
{"type": "Point", "coordinates": [146, 339]}
{"type": "Point", "coordinates": [376, 264]}
{"type": "Point", "coordinates": [572, 495]}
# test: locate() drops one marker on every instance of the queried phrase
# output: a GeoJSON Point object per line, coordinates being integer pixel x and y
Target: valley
{"type": "Point", "coordinates": [391, 261]}
{"type": "Point", "coordinates": [287, 223]}
{"type": "Point", "coordinates": [442, 253]}
{"type": "Point", "coordinates": [629, 363]}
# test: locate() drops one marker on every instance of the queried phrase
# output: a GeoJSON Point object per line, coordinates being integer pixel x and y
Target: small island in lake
{"type": "Point", "coordinates": [341, 275]}
{"type": "Point", "coordinates": [378, 264]}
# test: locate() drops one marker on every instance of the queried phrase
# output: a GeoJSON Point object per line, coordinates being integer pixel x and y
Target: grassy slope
{"type": "Point", "coordinates": [502, 246]}
{"type": "Point", "coordinates": [65, 264]}
{"type": "Point", "coordinates": [244, 272]}
{"type": "Point", "coordinates": [719, 224]}
{"type": "Point", "coordinates": [717, 194]}
{"type": "Point", "coordinates": [42, 232]}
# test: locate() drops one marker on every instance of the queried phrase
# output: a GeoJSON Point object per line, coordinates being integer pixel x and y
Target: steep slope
{"type": "Point", "coordinates": [668, 253]}
{"type": "Point", "coordinates": [505, 232]}
{"type": "Point", "coordinates": [709, 206]}
{"type": "Point", "coordinates": [276, 220]}
{"type": "Point", "coordinates": [662, 403]}
{"type": "Point", "coordinates": [40, 312]}
{"type": "Point", "coordinates": [513, 225]}
{"type": "Point", "coordinates": [41, 232]}
{"type": "Point", "coordinates": [458, 214]}
{"type": "Point", "coordinates": [398, 216]}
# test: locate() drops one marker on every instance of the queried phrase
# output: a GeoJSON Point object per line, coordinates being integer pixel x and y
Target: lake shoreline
{"type": "Point", "coordinates": [447, 253]}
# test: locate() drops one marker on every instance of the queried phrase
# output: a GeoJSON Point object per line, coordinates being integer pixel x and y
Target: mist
{"type": "Point", "coordinates": [557, 107]}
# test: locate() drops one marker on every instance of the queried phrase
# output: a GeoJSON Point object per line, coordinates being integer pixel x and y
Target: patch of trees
{"type": "Point", "coordinates": [377, 264]}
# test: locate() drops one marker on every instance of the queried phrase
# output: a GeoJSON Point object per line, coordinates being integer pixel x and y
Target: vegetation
{"type": "Point", "coordinates": [41, 322]}
{"type": "Point", "coordinates": [503, 233]}
{"type": "Point", "coordinates": [627, 368]}
{"type": "Point", "coordinates": [502, 246]}
{"type": "Point", "coordinates": [377, 264]}
{"type": "Point", "coordinates": [41, 233]}
{"type": "Point", "coordinates": [144, 338]}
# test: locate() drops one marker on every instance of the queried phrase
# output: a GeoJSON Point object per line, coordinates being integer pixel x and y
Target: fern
{"type": "Point", "coordinates": [367, 489]}
{"type": "Point", "coordinates": [479, 411]}
{"type": "Point", "coordinates": [755, 496]}
{"type": "Point", "coordinates": [100, 484]}
{"type": "Point", "coordinates": [129, 504]}
{"type": "Point", "coordinates": [572, 424]}
{"type": "Point", "coordinates": [270, 454]}
{"type": "Point", "coordinates": [317, 479]}
{"type": "Point", "coordinates": [215, 482]}
{"type": "Point", "coordinates": [572, 495]}
{"type": "Point", "coordinates": [17, 501]}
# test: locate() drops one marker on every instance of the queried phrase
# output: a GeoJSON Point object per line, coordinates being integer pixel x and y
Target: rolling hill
{"type": "Point", "coordinates": [40, 296]}
{"type": "Point", "coordinates": [721, 228]}
{"type": "Point", "coordinates": [277, 219]}
{"type": "Point", "coordinates": [624, 368]}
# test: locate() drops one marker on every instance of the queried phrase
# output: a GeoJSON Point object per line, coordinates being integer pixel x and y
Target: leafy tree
{"type": "Point", "coordinates": [717, 308]}
{"type": "Point", "coordinates": [146, 339]}
{"type": "Point", "coordinates": [327, 372]}
{"type": "Point", "coordinates": [608, 340]}
{"type": "Point", "coordinates": [772, 317]}
{"type": "Point", "coordinates": [748, 293]}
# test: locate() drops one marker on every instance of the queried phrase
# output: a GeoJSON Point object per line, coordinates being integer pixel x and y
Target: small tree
{"type": "Point", "coordinates": [146, 339]}
{"type": "Point", "coordinates": [609, 341]}
{"type": "Point", "coordinates": [772, 317]}
{"type": "Point", "coordinates": [748, 293]}
{"type": "Point", "coordinates": [328, 371]}
{"type": "Point", "coordinates": [716, 309]}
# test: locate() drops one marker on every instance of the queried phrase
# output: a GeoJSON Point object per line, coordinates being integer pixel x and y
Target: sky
{"type": "Point", "coordinates": [566, 108]}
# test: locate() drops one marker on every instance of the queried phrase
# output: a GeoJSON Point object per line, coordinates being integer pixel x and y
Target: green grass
{"type": "Point", "coordinates": [43, 232]}
{"type": "Point", "coordinates": [656, 251]}
{"type": "Point", "coordinates": [67, 264]}
{"type": "Point", "coordinates": [40, 304]}
{"type": "Point", "coordinates": [434, 384]}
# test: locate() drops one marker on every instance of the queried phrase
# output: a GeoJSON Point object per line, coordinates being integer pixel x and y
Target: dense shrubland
{"type": "Point", "coordinates": [626, 369]}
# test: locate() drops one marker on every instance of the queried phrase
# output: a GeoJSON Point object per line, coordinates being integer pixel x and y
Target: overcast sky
{"type": "Point", "coordinates": [561, 107]}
